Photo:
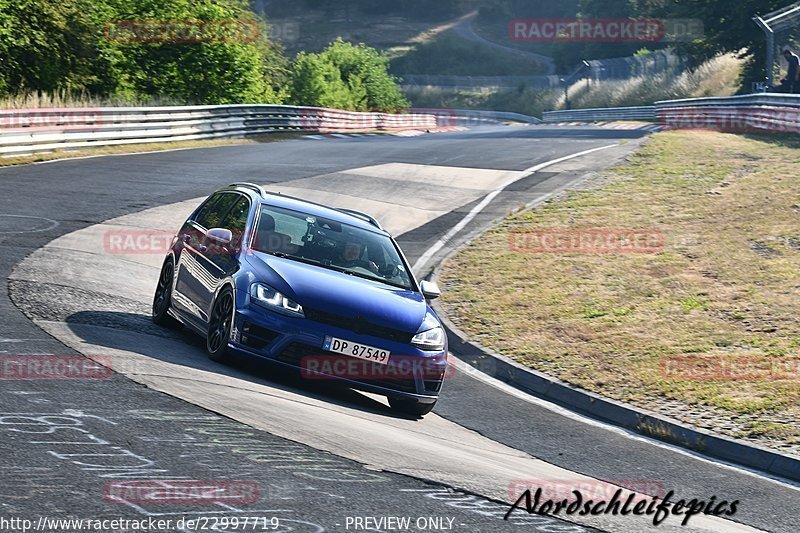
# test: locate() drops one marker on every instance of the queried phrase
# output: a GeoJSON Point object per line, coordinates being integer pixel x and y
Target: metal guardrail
{"type": "Point", "coordinates": [751, 112]}
{"type": "Point", "coordinates": [45, 130]}
{"type": "Point", "coordinates": [646, 113]}
{"type": "Point", "coordinates": [473, 117]}
{"type": "Point", "coordinates": [767, 99]}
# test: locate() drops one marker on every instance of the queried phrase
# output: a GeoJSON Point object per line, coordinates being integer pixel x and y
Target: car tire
{"type": "Point", "coordinates": [162, 300]}
{"type": "Point", "coordinates": [411, 407]}
{"type": "Point", "coordinates": [220, 324]}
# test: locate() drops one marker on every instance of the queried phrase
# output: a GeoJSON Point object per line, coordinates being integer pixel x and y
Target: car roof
{"type": "Point", "coordinates": [276, 199]}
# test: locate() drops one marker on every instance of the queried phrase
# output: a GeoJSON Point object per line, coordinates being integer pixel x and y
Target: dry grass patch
{"type": "Point", "coordinates": [725, 285]}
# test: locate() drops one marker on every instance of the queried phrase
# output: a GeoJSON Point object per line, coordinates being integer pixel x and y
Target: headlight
{"type": "Point", "coordinates": [268, 297]}
{"type": "Point", "coordinates": [431, 340]}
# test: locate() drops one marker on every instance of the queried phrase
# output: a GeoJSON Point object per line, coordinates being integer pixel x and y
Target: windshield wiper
{"type": "Point", "coordinates": [373, 278]}
{"type": "Point", "coordinates": [294, 258]}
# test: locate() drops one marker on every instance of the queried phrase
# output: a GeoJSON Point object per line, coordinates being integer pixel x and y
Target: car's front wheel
{"type": "Point", "coordinates": [411, 407]}
{"type": "Point", "coordinates": [162, 300]}
{"type": "Point", "coordinates": [219, 326]}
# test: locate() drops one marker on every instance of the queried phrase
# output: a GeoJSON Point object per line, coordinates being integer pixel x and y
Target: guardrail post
{"type": "Point", "coordinates": [770, 66]}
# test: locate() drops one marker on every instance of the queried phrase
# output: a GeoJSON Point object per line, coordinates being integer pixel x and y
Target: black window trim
{"type": "Point", "coordinates": [415, 285]}
{"type": "Point", "coordinates": [199, 226]}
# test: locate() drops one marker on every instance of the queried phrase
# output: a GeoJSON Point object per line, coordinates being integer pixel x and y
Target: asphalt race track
{"type": "Point", "coordinates": [320, 456]}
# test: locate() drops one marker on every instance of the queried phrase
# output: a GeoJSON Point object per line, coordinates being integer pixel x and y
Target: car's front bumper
{"type": "Point", "coordinates": [297, 343]}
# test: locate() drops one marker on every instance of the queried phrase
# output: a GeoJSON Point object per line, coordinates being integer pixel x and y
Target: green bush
{"type": "Point", "coordinates": [319, 83]}
{"type": "Point", "coordinates": [345, 76]}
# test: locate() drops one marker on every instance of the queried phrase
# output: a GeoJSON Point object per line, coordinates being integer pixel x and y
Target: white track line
{"type": "Point", "coordinates": [424, 258]}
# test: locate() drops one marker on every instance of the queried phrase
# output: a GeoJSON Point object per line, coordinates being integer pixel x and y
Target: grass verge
{"type": "Point", "coordinates": [722, 290]}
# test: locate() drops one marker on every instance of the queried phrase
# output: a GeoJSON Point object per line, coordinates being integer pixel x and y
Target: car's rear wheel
{"type": "Point", "coordinates": [411, 407]}
{"type": "Point", "coordinates": [219, 326]}
{"type": "Point", "coordinates": [163, 297]}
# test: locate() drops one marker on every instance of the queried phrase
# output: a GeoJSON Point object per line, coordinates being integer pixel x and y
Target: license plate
{"type": "Point", "coordinates": [353, 349]}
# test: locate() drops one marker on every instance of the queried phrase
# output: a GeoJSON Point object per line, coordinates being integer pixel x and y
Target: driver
{"type": "Point", "coordinates": [349, 255]}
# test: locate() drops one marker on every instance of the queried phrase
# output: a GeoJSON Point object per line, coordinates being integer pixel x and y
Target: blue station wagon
{"type": "Point", "coordinates": [323, 290]}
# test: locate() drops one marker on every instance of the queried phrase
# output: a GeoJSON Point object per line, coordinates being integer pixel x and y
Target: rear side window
{"type": "Point", "coordinates": [213, 213]}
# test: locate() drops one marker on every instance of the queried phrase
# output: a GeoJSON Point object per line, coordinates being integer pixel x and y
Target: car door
{"type": "Point", "coordinates": [218, 260]}
{"type": "Point", "coordinates": [194, 280]}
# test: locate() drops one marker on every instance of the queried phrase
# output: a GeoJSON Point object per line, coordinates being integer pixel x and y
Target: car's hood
{"type": "Point", "coordinates": [334, 292]}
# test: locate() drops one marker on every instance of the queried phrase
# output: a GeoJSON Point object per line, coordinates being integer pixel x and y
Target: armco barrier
{"type": "Point", "coordinates": [646, 113]}
{"type": "Point", "coordinates": [44, 130]}
{"type": "Point", "coordinates": [474, 117]}
{"type": "Point", "coordinates": [752, 112]}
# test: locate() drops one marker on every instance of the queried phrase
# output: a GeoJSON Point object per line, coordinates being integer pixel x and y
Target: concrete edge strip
{"type": "Point", "coordinates": [587, 403]}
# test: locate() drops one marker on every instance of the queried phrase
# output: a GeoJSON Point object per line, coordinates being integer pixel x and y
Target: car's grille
{"type": "Point", "coordinates": [295, 352]}
{"type": "Point", "coordinates": [256, 336]}
{"type": "Point", "coordinates": [358, 325]}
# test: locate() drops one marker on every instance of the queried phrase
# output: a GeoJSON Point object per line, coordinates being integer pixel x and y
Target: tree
{"type": "Point", "coordinates": [51, 45]}
{"type": "Point", "coordinates": [243, 67]}
{"type": "Point", "coordinates": [76, 46]}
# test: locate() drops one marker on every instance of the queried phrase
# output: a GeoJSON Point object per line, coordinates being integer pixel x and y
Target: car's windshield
{"type": "Point", "coordinates": [330, 244]}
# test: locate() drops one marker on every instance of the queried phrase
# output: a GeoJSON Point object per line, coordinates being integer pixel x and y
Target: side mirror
{"type": "Point", "coordinates": [430, 290]}
{"type": "Point", "coordinates": [222, 236]}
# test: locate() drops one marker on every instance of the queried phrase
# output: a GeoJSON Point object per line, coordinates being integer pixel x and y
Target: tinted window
{"type": "Point", "coordinates": [202, 214]}
{"type": "Point", "coordinates": [330, 244]}
{"type": "Point", "coordinates": [236, 221]}
{"type": "Point", "coordinates": [213, 216]}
